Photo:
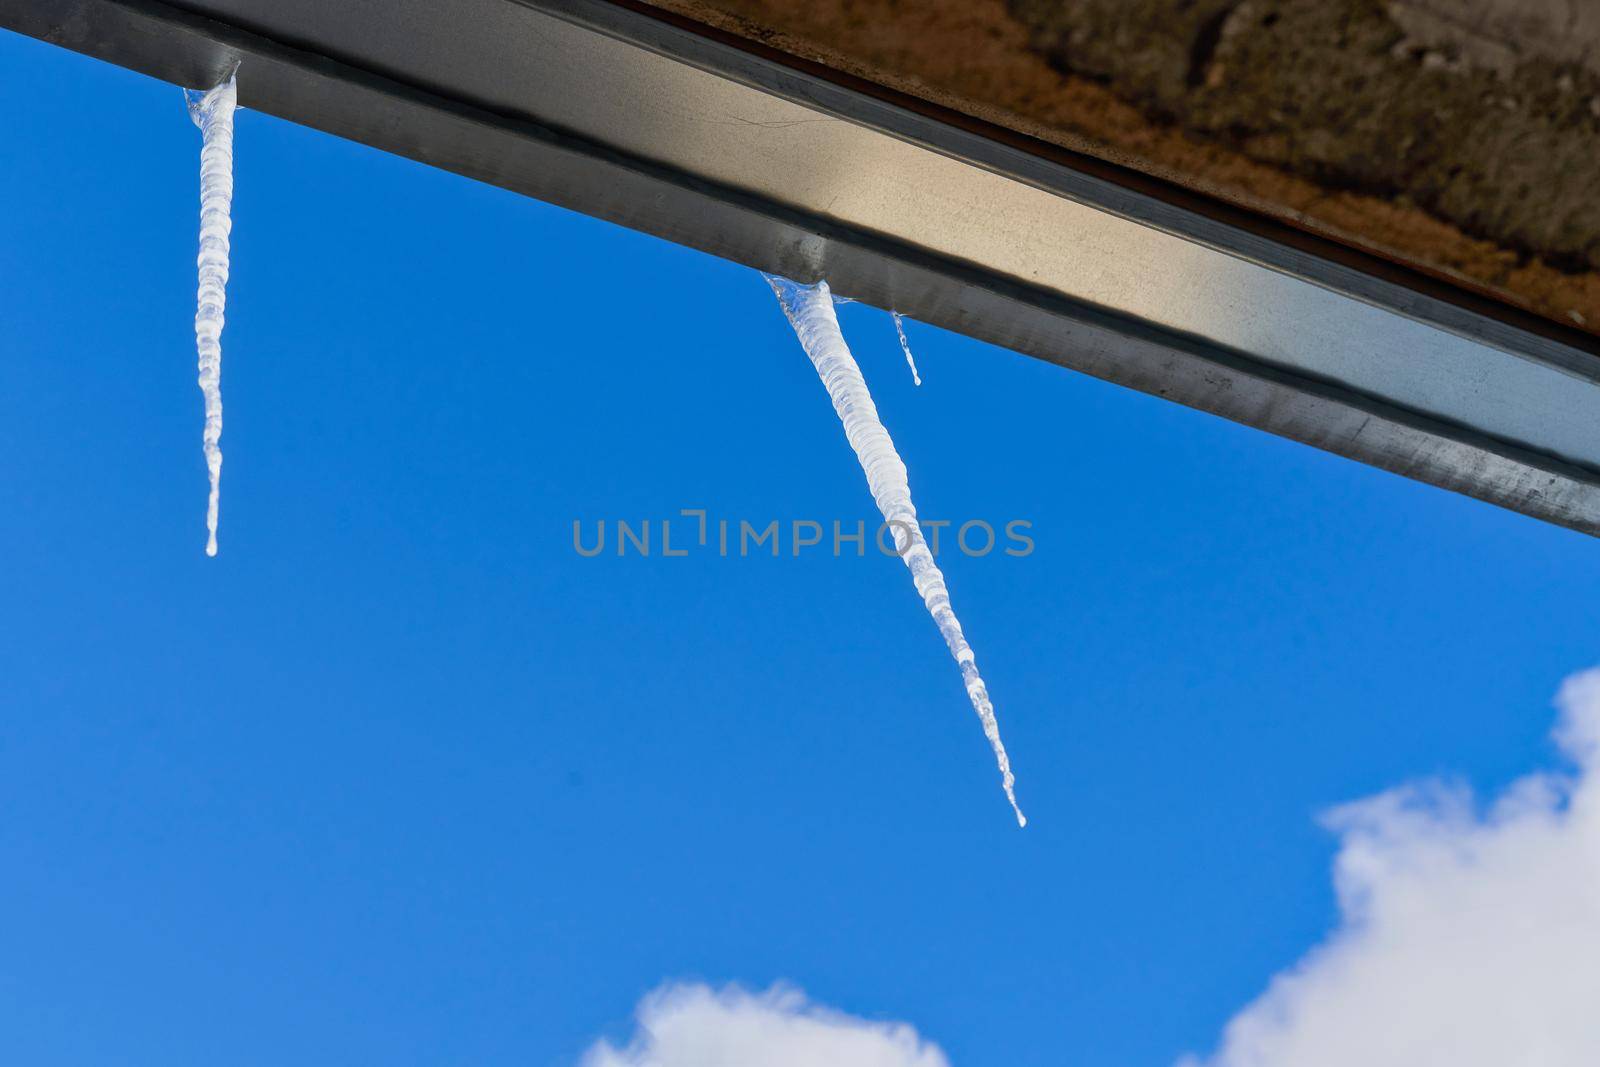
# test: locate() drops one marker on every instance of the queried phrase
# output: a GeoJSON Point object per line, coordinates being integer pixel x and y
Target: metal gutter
{"type": "Point", "coordinates": [618, 112]}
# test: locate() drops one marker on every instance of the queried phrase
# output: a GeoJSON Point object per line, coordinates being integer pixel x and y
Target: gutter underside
{"type": "Point", "coordinates": [661, 127]}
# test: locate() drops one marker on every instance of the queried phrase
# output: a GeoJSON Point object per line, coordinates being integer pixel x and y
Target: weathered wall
{"type": "Point", "coordinates": [1462, 136]}
{"type": "Point", "coordinates": [1501, 143]}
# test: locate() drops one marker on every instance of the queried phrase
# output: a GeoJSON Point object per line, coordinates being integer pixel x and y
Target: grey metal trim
{"type": "Point", "coordinates": [605, 109]}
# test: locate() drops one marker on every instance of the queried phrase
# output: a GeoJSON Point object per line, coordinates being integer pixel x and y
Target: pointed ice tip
{"type": "Point", "coordinates": [1022, 820]}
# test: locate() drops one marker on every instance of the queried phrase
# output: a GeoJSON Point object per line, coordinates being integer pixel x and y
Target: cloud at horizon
{"type": "Point", "coordinates": [693, 1025]}
{"type": "Point", "coordinates": [1469, 934]}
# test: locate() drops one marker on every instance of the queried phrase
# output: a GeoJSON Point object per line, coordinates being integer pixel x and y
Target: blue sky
{"type": "Point", "coordinates": [400, 778]}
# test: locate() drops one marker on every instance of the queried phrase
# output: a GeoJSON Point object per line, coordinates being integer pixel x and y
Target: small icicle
{"type": "Point", "coordinates": [212, 111]}
{"type": "Point", "coordinates": [905, 346]}
{"type": "Point", "coordinates": [810, 311]}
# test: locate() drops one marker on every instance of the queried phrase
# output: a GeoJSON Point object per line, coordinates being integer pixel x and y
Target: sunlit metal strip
{"type": "Point", "coordinates": [620, 114]}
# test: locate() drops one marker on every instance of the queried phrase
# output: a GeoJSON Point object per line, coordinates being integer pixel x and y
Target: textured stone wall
{"type": "Point", "coordinates": [1404, 104]}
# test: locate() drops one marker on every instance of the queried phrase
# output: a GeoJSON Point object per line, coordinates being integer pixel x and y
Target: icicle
{"type": "Point", "coordinates": [905, 346]}
{"type": "Point", "coordinates": [212, 111]}
{"type": "Point", "coordinates": [810, 311]}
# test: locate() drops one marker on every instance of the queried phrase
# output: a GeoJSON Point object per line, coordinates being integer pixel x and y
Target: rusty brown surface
{"type": "Point", "coordinates": [1217, 99]}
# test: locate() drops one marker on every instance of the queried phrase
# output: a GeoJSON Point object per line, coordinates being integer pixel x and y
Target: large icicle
{"type": "Point", "coordinates": [810, 311]}
{"type": "Point", "coordinates": [212, 111]}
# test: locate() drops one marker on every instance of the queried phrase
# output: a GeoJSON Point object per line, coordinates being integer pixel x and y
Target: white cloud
{"type": "Point", "coordinates": [695, 1026]}
{"type": "Point", "coordinates": [1468, 937]}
